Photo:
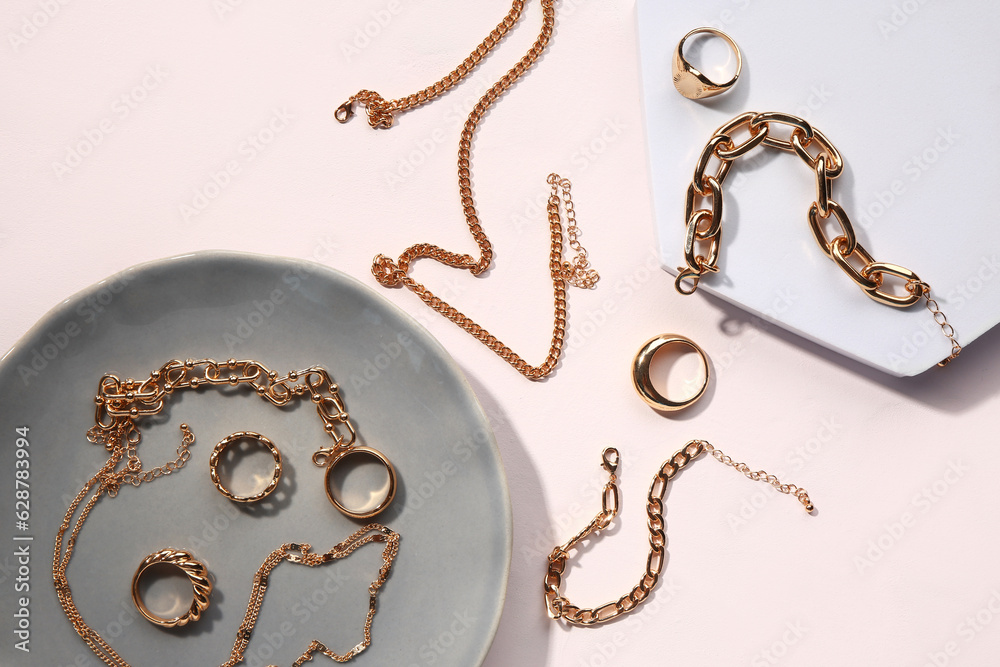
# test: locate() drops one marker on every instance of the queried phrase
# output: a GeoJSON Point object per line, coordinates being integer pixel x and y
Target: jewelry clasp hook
{"type": "Point", "coordinates": [610, 460]}
{"type": "Point", "coordinates": [344, 112]}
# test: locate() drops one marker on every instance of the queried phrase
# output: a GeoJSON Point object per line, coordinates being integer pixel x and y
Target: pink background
{"type": "Point", "coordinates": [899, 564]}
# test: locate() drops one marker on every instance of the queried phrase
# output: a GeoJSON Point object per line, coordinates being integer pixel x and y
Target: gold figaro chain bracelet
{"type": "Point", "coordinates": [560, 607]}
{"type": "Point", "coordinates": [704, 224]}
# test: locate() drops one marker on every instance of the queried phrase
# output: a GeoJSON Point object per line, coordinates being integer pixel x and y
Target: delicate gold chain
{"type": "Point", "coordinates": [560, 607]}
{"type": "Point", "coordinates": [576, 272]}
{"type": "Point", "coordinates": [704, 225]}
{"type": "Point", "coordinates": [121, 403]}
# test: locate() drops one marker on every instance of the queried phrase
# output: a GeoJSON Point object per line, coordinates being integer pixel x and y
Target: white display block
{"type": "Point", "coordinates": [907, 92]}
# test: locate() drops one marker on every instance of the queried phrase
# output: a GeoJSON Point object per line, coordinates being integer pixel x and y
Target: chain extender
{"type": "Point", "coordinates": [704, 225]}
{"type": "Point", "coordinates": [576, 272]}
{"type": "Point", "coordinates": [560, 607]}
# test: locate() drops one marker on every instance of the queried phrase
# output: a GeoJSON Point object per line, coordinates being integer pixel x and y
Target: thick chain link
{"type": "Point", "coordinates": [704, 223]}
{"type": "Point", "coordinates": [575, 272]}
{"type": "Point", "coordinates": [121, 402]}
{"type": "Point", "coordinates": [560, 607]}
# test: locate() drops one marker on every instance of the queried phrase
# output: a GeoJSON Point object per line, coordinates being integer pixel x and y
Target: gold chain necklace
{"type": "Point", "coordinates": [576, 272]}
{"type": "Point", "coordinates": [121, 403]}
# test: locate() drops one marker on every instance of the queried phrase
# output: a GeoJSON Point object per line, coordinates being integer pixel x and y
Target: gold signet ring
{"type": "Point", "coordinates": [691, 83]}
{"type": "Point", "coordinates": [644, 386]}
{"type": "Point", "coordinates": [196, 573]}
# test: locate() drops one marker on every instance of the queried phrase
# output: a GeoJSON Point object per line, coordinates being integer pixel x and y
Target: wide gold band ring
{"type": "Point", "coordinates": [691, 83]}
{"type": "Point", "coordinates": [213, 465]}
{"type": "Point", "coordinates": [640, 373]}
{"type": "Point", "coordinates": [196, 573]}
{"type": "Point", "coordinates": [370, 510]}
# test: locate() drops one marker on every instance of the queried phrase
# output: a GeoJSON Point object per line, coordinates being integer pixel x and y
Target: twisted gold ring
{"type": "Point", "coordinates": [213, 464]}
{"type": "Point", "coordinates": [196, 573]}
{"type": "Point", "coordinates": [640, 372]}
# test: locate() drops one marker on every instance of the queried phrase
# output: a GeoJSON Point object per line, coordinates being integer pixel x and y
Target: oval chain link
{"type": "Point", "coordinates": [826, 162]}
{"type": "Point", "coordinates": [560, 607]}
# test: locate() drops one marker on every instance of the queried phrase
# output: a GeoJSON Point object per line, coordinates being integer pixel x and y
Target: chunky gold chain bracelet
{"type": "Point", "coordinates": [120, 403]}
{"type": "Point", "coordinates": [704, 223]}
{"type": "Point", "coordinates": [560, 607]}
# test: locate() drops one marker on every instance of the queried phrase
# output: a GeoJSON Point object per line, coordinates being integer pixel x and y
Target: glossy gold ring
{"type": "Point", "coordinates": [640, 373]}
{"type": "Point", "coordinates": [690, 82]}
{"type": "Point", "coordinates": [213, 465]}
{"type": "Point", "coordinates": [369, 510]}
{"type": "Point", "coordinates": [196, 573]}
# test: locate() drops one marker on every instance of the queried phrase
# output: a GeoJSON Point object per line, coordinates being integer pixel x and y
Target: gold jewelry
{"type": "Point", "coordinates": [704, 225]}
{"type": "Point", "coordinates": [691, 83]}
{"type": "Point", "coordinates": [559, 607]}
{"type": "Point", "coordinates": [640, 372]}
{"type": "Point", "coordinates": [120, 404]}
{"type": "Point", "coordinates": [213, 463]}
{"type": "Point", "coordinates": [331, 461]}
{"type": "Point", "coordinates": [196, 573]}
{"type": "Point", "coordinates": [574, 272]}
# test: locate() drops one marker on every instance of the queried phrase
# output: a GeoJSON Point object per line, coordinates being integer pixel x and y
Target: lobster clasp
{"type": "Point", "coordinates": [344, 112]}
{"type": "Point", "coordinates": [610, 460]}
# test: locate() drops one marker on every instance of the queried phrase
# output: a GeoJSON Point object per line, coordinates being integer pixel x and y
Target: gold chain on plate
{"type": "Point", "coordinates": [121, 403]}
{"type": "Point", "coordinates": [704, 224]}
{"type": "Point", "coordinates": [576, 272]}
{"type": "Point", "coordinates": [560, 607]}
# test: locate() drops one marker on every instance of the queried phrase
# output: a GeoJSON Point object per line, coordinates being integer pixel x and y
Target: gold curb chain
{"type": "Point", "coordinates": [576, 272]}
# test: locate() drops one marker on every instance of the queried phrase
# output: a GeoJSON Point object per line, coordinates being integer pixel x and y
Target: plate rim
{"type": "Point", "coordinates": [213, 255]}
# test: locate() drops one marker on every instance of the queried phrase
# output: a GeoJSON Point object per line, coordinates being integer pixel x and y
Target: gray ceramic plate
{"type": "Point", "coordinates": [406, 396]}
